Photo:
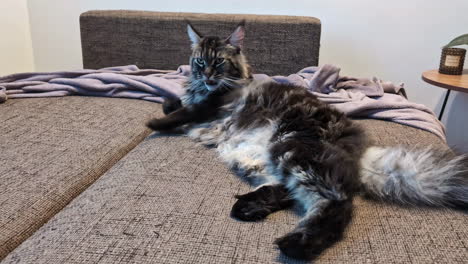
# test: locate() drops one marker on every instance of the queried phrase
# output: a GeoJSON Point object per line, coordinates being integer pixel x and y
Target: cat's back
{"type": "Point", "coordinates": [293, 109]}
{"type": "Point", "coordinates": [286, 101]}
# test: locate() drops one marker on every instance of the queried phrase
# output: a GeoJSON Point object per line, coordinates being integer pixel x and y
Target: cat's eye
{"type": "Point", "coordinates": [219, 61]}
{"type": "Point", "coordinates": [199, 61]}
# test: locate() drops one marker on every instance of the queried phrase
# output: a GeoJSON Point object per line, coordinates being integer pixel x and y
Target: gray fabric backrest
{"type": "Point", "coordinates": [273, 44]}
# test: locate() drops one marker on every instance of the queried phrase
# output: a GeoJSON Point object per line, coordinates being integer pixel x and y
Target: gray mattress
{"type": "Point", "coordinates": [168, 201]}
{"type": "Point", "coordinates": [52, 149]}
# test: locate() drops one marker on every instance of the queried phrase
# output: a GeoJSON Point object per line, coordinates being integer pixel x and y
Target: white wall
{"type": "Point", "coordinates": [393, 40]}
{"type": "Point", "coordinates": [16, 53]}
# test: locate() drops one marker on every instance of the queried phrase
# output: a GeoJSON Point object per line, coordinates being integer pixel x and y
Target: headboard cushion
{"type": "Point", "coordinates": [273, 44]}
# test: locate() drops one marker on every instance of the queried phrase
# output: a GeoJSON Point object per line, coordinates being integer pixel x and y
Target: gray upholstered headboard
{"type": "Point", "coordinates": [273, 44]}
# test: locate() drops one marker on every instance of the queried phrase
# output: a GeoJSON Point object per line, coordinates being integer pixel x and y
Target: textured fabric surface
{"type": "Point", "coordinates": [51, 149]}
{"type": "Point", "coordinates": [274, 44]}
{"type": "Point", "coordinates": [384, 133]}
{"type": "Point", "coordinates": [168, 201]}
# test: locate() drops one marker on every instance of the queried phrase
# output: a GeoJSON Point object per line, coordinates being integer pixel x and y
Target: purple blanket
{"type": "Point", "coordinates": [125, 81]}
{"type": "Point", "coordinates": [356, 97]}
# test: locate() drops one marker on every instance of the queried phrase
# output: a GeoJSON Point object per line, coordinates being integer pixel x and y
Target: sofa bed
{"type": "Point", "coordinates": [84, 181]}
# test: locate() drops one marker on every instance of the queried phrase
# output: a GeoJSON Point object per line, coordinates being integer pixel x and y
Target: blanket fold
{"type": "Point", "coordinates": [356, 97]}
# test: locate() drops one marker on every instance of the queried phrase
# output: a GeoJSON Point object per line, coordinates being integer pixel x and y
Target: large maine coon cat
{"type": "Point", "coordinates": [298, 149]}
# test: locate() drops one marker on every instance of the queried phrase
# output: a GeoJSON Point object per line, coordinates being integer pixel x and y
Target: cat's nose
{"type": "Point", "coordinates": [208, 72]}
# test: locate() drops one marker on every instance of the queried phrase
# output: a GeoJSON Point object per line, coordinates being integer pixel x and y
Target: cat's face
{"type": "Point", "coordinates": [217, 63]}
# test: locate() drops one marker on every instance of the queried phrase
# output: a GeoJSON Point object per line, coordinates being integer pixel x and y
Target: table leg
{"type": "Point", "coordinates": [443, 105]}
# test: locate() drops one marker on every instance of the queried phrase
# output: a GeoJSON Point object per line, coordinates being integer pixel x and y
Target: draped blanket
{"type": "Point", "coordinates": [356, 97]}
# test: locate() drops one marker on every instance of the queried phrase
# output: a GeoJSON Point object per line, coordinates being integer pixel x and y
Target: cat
{"type": "Point", "coordinates": [299, 150]}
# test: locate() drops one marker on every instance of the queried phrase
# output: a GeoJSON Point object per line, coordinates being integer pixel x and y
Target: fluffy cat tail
{"type": "Point", "coordinates": [416, 177]}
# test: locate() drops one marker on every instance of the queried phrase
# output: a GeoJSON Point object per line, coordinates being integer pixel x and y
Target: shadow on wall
{"type": "Point", "coordinates": [456, 122]}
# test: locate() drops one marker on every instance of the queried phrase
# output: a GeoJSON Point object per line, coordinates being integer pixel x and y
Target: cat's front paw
{"type": "Point", "coordinates": [170, 105]}
{"type": "Point", "coordinates": [297, 244]}
{"type": "Point", "coordinates": [249, 210]}
{"type": "Point", "coordinates": [156, 124]}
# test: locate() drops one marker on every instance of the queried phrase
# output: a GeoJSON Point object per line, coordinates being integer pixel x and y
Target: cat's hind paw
{"type": "Point", "coordinates": [249, 210]}
{"type": "Point", "coordinates": [258, 204]}
{"type": "Point", "coordinates": [296, 245]}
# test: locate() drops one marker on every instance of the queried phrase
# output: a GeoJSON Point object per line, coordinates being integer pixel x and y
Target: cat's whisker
{"type": "Point", "coordinates": [230, 84]}
{"type": "Point", "coordinates": [226, 86]}
{"type": "Point", "coordinates": [232, 78]}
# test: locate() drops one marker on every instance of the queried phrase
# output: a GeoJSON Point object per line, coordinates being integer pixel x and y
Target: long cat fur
{"type": "Point", "coordinates": [297, 149]}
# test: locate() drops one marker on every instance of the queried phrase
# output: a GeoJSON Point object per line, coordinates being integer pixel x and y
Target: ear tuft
{"type": "Point", "coordinates": [193, 34]}
{"type": "Point", "coordinates": [237, 37]}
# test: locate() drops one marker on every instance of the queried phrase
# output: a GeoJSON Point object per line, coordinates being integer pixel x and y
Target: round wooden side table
{"type": "Point", "coordinates": [457, 83]}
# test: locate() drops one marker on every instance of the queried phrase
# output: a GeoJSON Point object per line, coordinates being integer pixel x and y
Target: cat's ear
{"type": "Point", "coordinates": [237, 37]}
{"type": "Point", "coordinates": [193, 34]}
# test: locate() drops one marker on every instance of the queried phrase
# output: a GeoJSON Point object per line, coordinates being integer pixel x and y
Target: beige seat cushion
{"type": "Point", "coordinates": [51, 149]}
{"type": "Point", "coordinates": [168, 201]}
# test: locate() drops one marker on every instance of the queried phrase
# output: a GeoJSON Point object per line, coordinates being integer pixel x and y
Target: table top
{"type": "Point", "coordinates": [451, 82]}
